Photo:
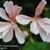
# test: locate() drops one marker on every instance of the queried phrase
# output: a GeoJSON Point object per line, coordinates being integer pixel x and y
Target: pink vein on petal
{"type": "Point", "coordinates": [40, 8]}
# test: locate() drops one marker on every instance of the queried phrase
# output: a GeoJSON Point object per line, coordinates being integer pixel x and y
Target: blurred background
{"type": "Point", "coordinates": [33, 42]}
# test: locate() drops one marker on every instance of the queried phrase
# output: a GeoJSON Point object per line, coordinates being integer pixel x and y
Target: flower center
{"type": "Point", "coordinates": [13, 24]}
{"type": "Point", "coordinates": [13, 19]}
{"type": "Point", "coordinates": [36, 18]}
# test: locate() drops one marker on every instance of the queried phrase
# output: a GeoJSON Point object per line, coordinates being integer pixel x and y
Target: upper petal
{"type": "Point", "coordinates": [17, 9]}
{"type": "Point", "coordinates": [40, 8]}
{"type": "Point", "coordinates": [22, 19]}
{"type": "Point", "coordinates": [9, 7]}
{"type": "Point", "coordinates": [19, 35]}
{"type": "Point", "coordinates": [3, 14]}
{"type": "Point", "coordinates": [8, 34]}
{"type": "Point", "coordinates": [34, 28]}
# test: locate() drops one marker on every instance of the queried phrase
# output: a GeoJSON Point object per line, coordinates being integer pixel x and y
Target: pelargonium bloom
{"type": "Point", "coordinates": [6, 28]}
{"type": "Point", "coordinates": [38, 25]}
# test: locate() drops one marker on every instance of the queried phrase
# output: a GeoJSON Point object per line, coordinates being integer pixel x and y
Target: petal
{"type": "Point", "coordinates": [4, 25]}
{"type": "Point", "coordinates": [40, 8]}
{"type": "Point", "coordinates": [48, 37]}
{"type": "Point", "coordinates": [3, 14]}
{"type": "Point", "coordinates": [19, 35]}
{"type": "Point", "coordinates": [43, 34]}
{"type": "Point", "coordinates": [44, 26]}
{"type": "Point", "coordinates": [46, 20]}
{"type": "Point", "coordinates": [17, 9]}
{"type": "Point", "coordinates": [9, 7]}
{"type": "Point", "coordinates": [34, 28]}
{"type": "Point", "coordinates": [22, 19]}
{"type": "Point", "coordinates": [8, 34]}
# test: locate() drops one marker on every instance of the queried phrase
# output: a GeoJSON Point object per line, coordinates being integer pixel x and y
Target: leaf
{"type": "Point", "coordinates": [33, 45]}
{"type": "Point", "coordinates": [1, 2]}
{"type": "Point", "coordinates": [47, 12]}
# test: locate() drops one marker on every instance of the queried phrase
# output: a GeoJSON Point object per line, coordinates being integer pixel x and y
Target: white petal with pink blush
{"type": "Point", "coordinates": [42, 27]}
{"type": "Point", "coordinates": [23, 19]}
{"type": "Point", "coordinates": [34, 28]}
{"type": "Point", "coordinates": [6, 28]}
{"type": "Point", "coordinates": [19, 35]}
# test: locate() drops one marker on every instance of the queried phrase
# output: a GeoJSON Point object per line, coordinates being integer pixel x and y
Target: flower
{"type": "Point", "coordinates": [38, 25]}
{"type": "Point", "coordinates": [6, 28]}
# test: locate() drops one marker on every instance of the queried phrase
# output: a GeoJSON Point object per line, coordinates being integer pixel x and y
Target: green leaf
{"type": "Point", "coordinates": [47, 12]}
{"type": "Point", "coordinates": [33, 45]}
{"type": "Point", "coordinates": [2, 2]}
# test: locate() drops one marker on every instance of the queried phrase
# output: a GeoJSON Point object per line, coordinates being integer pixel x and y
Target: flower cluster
{"type": "Point", "coordinates": [37, 26]}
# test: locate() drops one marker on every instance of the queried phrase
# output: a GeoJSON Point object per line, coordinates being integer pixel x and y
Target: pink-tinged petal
{"type": "Point", "coordinates": [4, 26]}
{"type": "Point", "coordinates": [34, 28]}
{"type": "Point", "coordinates": [17, 9]}
{"type": "Point", "coordinates": [24, 20]}
{"type": "Point", "coordinates": [45, 20]}
{"type": "Point", "coordinates": [48, 37]}
{"type": "Point", "coordinates": [3, 14]}
{"type": "Point", "coordinates": [9, 7]}
{"type": "Point", "coordinates": [8, 34]}
{"type": "Point", "coordinates": [43, 34]}
{"type": "Point", "coordinates": [40, 8]}
{"type": "Point", "coordinates": [44, 26]}
{"type": "Point", "coordinates": [19, 35]}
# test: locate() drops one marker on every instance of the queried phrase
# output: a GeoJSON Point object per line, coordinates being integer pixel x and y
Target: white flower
{"type": "Point", "coordinates": [38, 25]}
{"type": "Point", "coordinates": [6, 28]}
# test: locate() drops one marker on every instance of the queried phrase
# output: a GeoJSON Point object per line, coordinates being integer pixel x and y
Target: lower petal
{"type": "Point", "coordinates": [34, 28]}
{"type": "Point", "coordinates": [45, 26]}
{"type": "Point", "coordinates": [48, 37]}
{"type": "Point", "coordinates": [4, 26]}
{"type": "Point", "coordinates": [8, 34]}
{"type": "Point", "coordinates": [43, 34]}
{"type": "Point", "coordinates": [19, 35]}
